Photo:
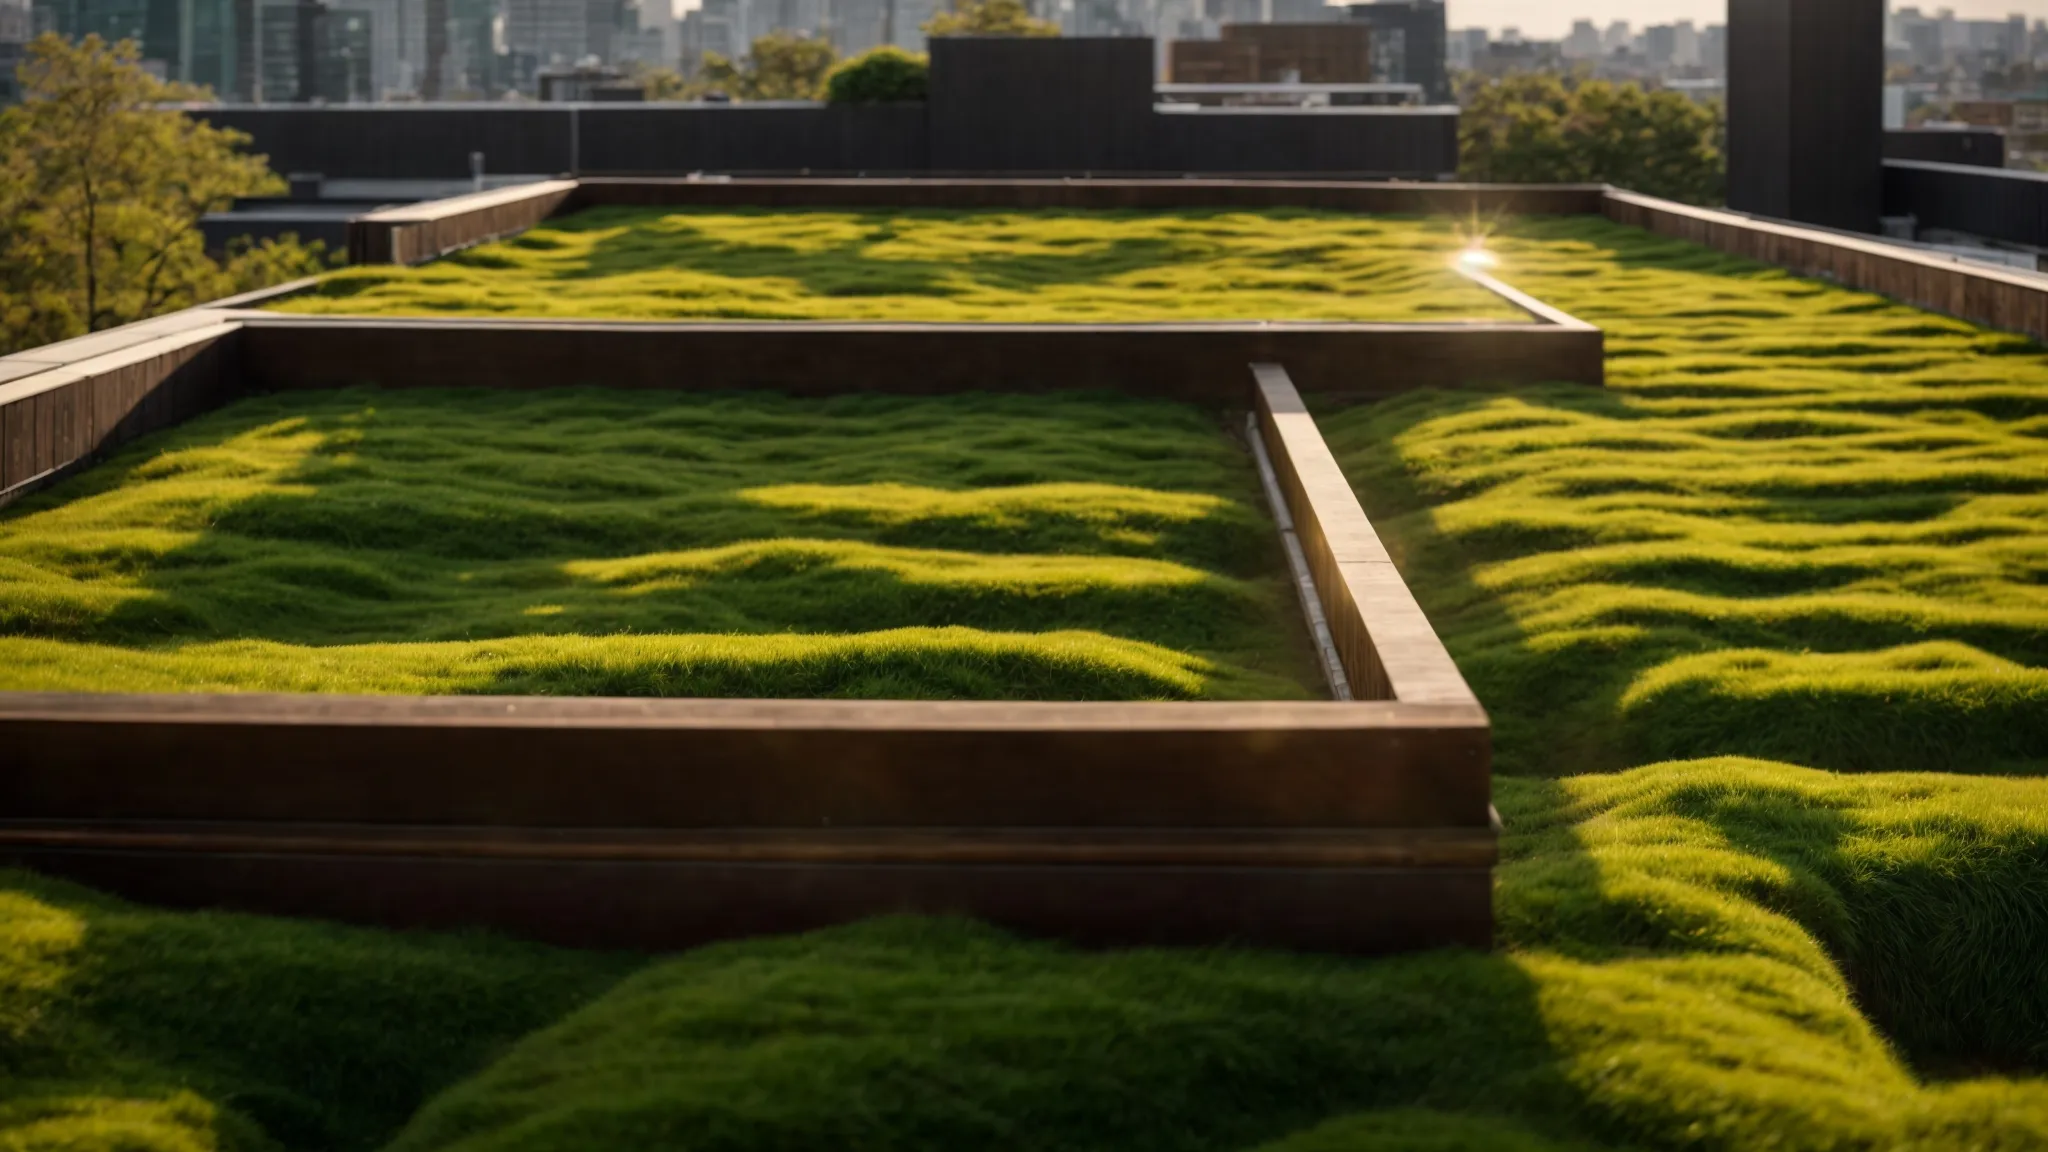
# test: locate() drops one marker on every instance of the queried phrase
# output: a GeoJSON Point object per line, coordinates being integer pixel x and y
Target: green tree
{"type": "Point", "coordinates": [1534, 128]}
{"type": "Point", "coordinates": [989, 18]}
{"type": "Point", "coordinates": [101, 191]}
{"type": "Point", "coordinates": [779, 66]}
{"type": "Point", "coordinates": [884, 75]}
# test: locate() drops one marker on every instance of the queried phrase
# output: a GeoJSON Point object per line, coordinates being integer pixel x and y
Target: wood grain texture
{"type": "Point", "coordinates": [1172, 847]}
{"type": "Point", "coordinates": [1197, 362]}
{"type": "Point", "coordinates": [57, 421]}
{"type": "Point", "coordinates": [665, 904]}
{"type": "Point", "coordinates": [2011, 301]}
{"type": "Point", "coordinates": [1382, 196]}
{"type": "Point", "coordinates": [505, 761]}
{"type": "Point", "coordinates": [1389, 650]}
{"type": "Point", "coordinates": [417, 233]}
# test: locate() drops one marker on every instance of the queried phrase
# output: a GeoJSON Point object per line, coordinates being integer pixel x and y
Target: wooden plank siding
{"type": "Point", "coordinates": [2013, 301]}
{"type": "Point", "coordinates": [417, 233]}
{"type": "Point", "coordinates": [59, 420]}
{"type": "Point", "coordinates": [1359, 827]}
{"type": "Point", "coordinates": [1389, 650]}
{"type": "Point", "coordinates": [1203, 363]}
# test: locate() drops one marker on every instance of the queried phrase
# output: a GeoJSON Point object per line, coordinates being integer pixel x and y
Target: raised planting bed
{"type": "Point", "coordinates": [1801, 522]}
{"type": "Point", "coordinates": [592, 543]}
{"type": "Point", "coordinates": [1024, 549]}
{"type": "Point", "coordinates": [930, 265]}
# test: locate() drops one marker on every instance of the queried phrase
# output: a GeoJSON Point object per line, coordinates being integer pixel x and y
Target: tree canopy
{"type": "Point", "coordinates": [778, 66]}
{"type": "Point", "coordinates": [101, 191]}
{"type": "Point", "coordinates": [879, 76]}
{"type": "Point", "coordinates": [989, 18]}
{"type": "Point", "coordinates": [1543, 129]}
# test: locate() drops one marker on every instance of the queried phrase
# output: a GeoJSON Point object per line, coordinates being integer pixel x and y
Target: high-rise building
{"type": "Point", "coordinates": [1714, 50]}
{"type": "Point", "coordinates": [1660, 45]}
{"type": "Point", "coordinates": [1617, 38]}
{"type": "Point", "coordinates": [553, 32]}
{"type": "Point", "coordinates": [1465, 48]}
{"type": "Point", "coordinates": [1583, 43]}
{"type": "Point", "coordinates": [17, 28]}
{"type": "Point", "coordinates": [1408, 37]}
{"type": "Point", "coordinates": [1685, 45]}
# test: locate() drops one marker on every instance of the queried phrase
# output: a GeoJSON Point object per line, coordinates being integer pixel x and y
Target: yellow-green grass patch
{"type": "Point", "coordinates": [1708, 955]}
{"type": "Point", "coordinates": [625, 543]}
{"type": "Point", "coordinates": [1799, 522]}
{"type": "Point", "coordinates": [1012, 267]}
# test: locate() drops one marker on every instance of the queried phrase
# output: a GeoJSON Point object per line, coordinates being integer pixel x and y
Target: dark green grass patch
{"type": "Point", "coordinates": [1698, 955]}
{"type": "Point", "coordinates": [1836, 555]}
{"type": "Point", "coordinates": [592, 542]}
{"type": "Point", "coordinates": [1047, 267]}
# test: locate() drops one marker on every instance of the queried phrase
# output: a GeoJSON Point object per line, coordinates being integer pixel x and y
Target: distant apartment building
{"type": "Point", "coordinates": [1464, 46]}
{"type": "Point", "coordinates": [1274, 53]}
{"type": "Point", "coordinates": [17, 28]}
{"type": "Point", "coordinates": [1408, 41]}
{"type": "Point", "coordinates": [1583, 43]}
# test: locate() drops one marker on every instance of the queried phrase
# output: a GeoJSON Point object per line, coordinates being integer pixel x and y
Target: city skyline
{"type": "Point", "coordinates": [1550, 20]}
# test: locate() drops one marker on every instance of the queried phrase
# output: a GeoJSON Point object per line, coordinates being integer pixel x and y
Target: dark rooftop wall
{"type": "Point", "coordinates": [1998, 204]}
{"type": "Point", "coordinates": [1805, 110]}
{"type": "Point", "coordinates": [1379, 143]}
{"type": "Point", "coordinates": [1041, 104]}
{"type": "Point", "coordinates": [1982, 147]}
{"type": "Point", "coordinates": [396, 142]}
{"type": "Point", "coordinates": [1054, 106]}
{"type": "Point", "coordinates": [650, 140]}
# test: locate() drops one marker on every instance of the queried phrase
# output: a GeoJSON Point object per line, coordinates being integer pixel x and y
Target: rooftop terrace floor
{"type": "Point", "coordinates": [938, 266]}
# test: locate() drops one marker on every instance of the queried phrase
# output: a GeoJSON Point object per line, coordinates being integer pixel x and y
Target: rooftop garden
{"type": "Point", "coordinates": [586, 542]}
{"type": "Point", "coordinates": [1759, 627]}
{"type": "Point", "coordinates": [1012, 267]}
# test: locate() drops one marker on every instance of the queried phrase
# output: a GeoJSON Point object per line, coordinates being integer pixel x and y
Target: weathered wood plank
{"type": "Point", "coordinates": [658, 905]}
{"type": "Point", "coordinates": [1388, 647]}
{"type": "Point", "coordinates": [1199, 362]}
{"type": "Point", "coordinates": [1982, 295]}
{"type": "Point", "coordinates": [761, 764]}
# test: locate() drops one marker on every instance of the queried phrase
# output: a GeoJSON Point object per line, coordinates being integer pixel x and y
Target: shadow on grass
{"type": "Point", "coordinates": [849, 267]}
{"type": "Point", "coordinates": [1947, 948]}
{"type": "Point", "coordinates": [1658, 640]}
{"type": "Point", "coordinates": [359, 518]}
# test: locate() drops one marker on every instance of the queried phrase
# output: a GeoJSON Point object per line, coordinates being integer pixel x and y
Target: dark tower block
{"type": "Point", "coordinates": [1806, 110]}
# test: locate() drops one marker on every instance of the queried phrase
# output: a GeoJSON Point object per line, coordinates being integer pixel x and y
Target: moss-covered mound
{"type": "Point", "coordinates": [1800, 522]}
{"type": "Point", "coordinates": [614, 543]}
{"type": "Point", "coordinates": [1714, 955]}
{"type": "Point", "coordinates": [662, 264]}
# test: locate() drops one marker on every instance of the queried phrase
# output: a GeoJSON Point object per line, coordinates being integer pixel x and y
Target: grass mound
{"type": "Point", "coordinates": [1800, 522]}
{"type": "Point", "coordinates": [1686, 950]}
{"type": "Point", "coordinates": [593, 542]}
{"type": "Point", "coordinates": [661, 264]}
{"type": "Point", "coordinates": [136, 1029]}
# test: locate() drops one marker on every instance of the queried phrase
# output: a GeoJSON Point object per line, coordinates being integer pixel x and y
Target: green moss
{"type": "Point", "coordinates": [1686, 949]}
{"type": "Point", "coordinates": [658, 264]}
{"type": "Point", "coordinates": [612, 543]}
{"type": "Point", "coordinates": [1706, 955]}
{"type": "Point", "coordinates": [133, 1029]}
{"type": "Point", "coordinates": [1800, 522]}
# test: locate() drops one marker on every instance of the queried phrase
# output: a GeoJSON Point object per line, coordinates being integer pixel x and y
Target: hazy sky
{"type": "Point", "coordinates": [1549, 19]}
